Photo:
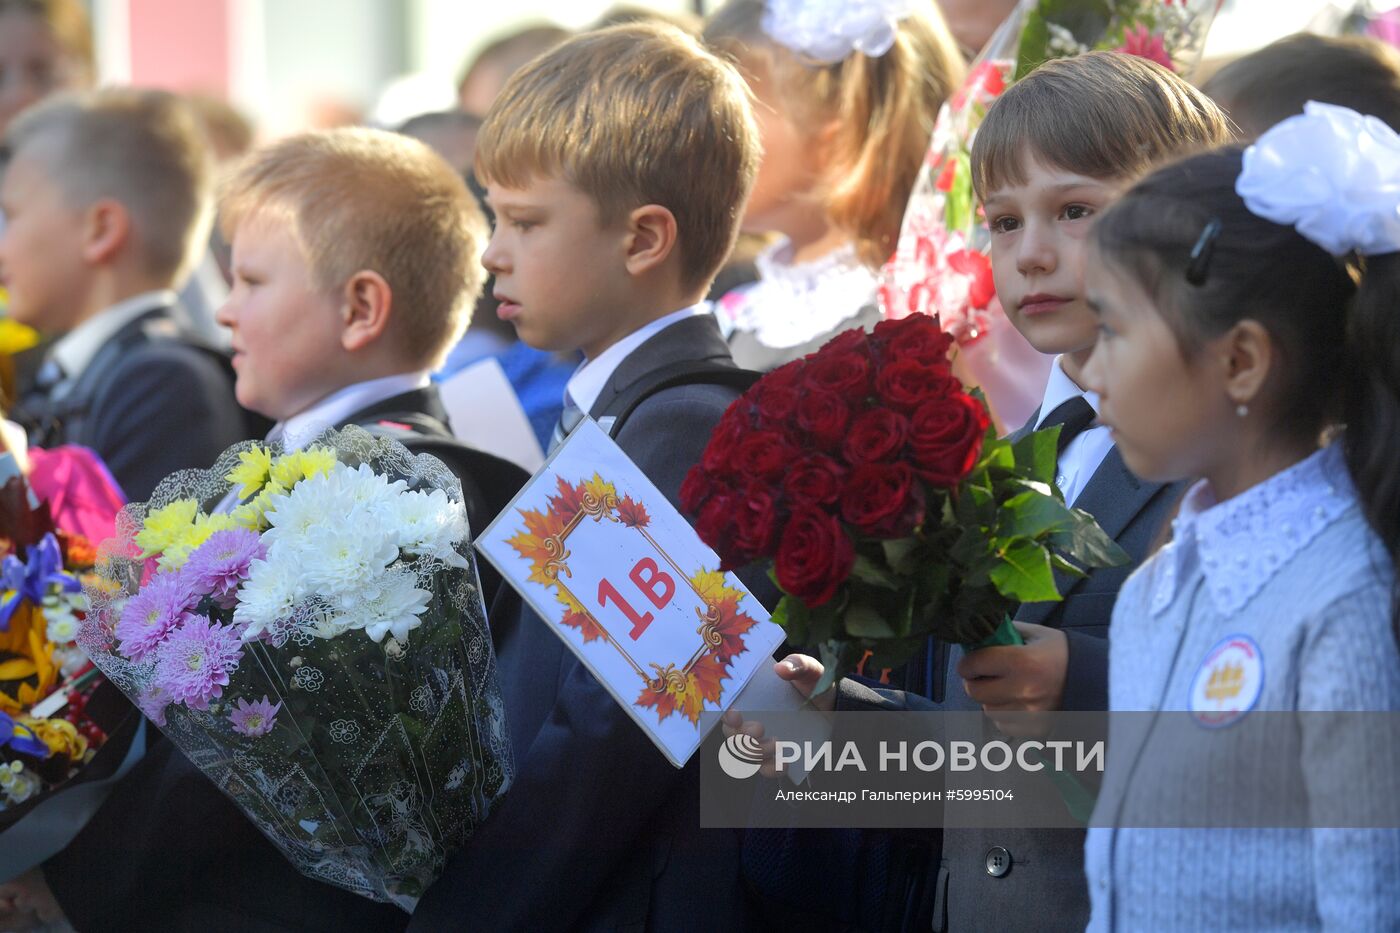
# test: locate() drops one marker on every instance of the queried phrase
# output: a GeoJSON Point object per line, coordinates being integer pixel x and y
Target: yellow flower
{"type": "Point", "coordinates": [163, 526]}
{"type": "Point", "coordinates": [179, 550]}
{"type": "Point", "coordinates": [251, 474]}
{"type": "Point", "coordinates": [15, 336]}
{"type": "Point", "coordinates": [253, 513]}
{"type": "Point", "coordinates": [59, 735]}
{"type": "Point", "coordinates": [304, 464]}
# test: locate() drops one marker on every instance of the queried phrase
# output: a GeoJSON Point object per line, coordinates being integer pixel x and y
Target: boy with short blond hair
{"type": "Point", "coordinates": [617, 165]}
{"type": "Point", "coordinates": [107, 197]}
{"type": "Point", "coordinates": [355, 261]}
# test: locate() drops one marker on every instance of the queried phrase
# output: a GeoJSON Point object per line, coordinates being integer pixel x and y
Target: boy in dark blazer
{"type": "Point", "coordinates": [617, 166]}
{"type": "Point", "coordinates": [107, 200]}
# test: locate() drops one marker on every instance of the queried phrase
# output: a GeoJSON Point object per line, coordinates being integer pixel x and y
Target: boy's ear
{"type": "Point", "coordinates": [367, 302]}
{"type": "Point", "coordinates": [106, 229]}
{"type": "Point", "coordinates": [651, 238]}
{"type": "Point", "coordinates": [1248, 356]}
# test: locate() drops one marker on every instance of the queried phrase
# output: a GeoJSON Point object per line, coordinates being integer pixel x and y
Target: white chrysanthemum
{"type": "Point", "coordinates": [430, 524]}
{"type": "Point", "coordinates": [341, 494]}
{"type": "Point", "coordinates": [62, 627]}
{"type": "Point", "coordinates": [269, 594]}
{"type": "Point", "coordinates": [342, 558]}
{"type": "Point", "coordinates": [395, 608]}
{"type": "Point", "coordinates": [70, 660]}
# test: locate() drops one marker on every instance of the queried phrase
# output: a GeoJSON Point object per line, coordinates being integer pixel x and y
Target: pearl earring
{"type": "Point", "coordinates": [1242, 410]}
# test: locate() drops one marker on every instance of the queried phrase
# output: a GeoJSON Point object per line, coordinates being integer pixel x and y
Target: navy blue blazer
{"type": "Point", "coordinates": [599, 831]}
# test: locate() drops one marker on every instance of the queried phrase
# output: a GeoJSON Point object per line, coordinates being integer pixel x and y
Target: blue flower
{"type": "Point", "coordinates": [21, 738]}
{"type": "Point", "coordinates": [32, 580]}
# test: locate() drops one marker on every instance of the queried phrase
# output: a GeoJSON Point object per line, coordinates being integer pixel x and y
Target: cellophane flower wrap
{"type": "Point", "coordinates": [889, 508]}
{"type": "Point", "coordinates": [307, 627]}
{"type": "Point", "coordinates": [940, 265]}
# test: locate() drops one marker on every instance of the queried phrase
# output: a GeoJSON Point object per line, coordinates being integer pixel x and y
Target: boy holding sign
{"type": "Point", "coordinates": [617, 166]}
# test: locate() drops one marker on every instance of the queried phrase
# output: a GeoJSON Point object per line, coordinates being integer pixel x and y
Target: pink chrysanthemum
{"type": "Point", "coordinates": [153, 613]}
{"type": "Point", "coordinates": [195, 662]}
{"type": "Point", "coordinates": [220, 564]}
{"type": "Point", "coordinates": [1139, 41]}
{"type": "Point", "coordinates": [254, 719]}
{"type": "Point", "coordinates": [152, 702]}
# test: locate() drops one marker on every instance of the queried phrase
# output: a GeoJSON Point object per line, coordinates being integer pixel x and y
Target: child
{"type": "Point", "coordinates": [106, 200]}
{"type": "Point", "coordinates": [1273, 83]}
{"type": "Point", "coordinates": [617, 166]}
{"type": "Point", "coordinates": [1231, 286]}
{"type": "Point", "coordinates": [355, 263]}
{"type": "Point", "coordinates": [1053, 151]}
{"type": "Point", "coordinates": [45, 46]}
{"type": "Point", "coordinates": [844, 133]}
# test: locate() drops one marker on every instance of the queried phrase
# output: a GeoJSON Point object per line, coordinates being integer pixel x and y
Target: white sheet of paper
{"type": "Point", "coordinates": [611, 566]}
{"type": "Point", "coordinates": [486, 413]}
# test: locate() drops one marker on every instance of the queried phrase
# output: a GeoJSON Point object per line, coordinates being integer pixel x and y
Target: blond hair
{"type": "Point", "coordinates": [882, 109]}
{"type": "Point", "coordinates": [68, 21]}
{"type": "Point", "coordinates": [361, 199]}
{"type": "Point", "coordinates": [142, 149]}
{"type": "Point", "coordinates": [633, 115]}
{"type": "Point", "coordinates": [1100, 114]}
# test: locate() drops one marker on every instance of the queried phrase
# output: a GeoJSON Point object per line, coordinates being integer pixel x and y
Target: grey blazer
{"type": "Point", "coordinates": [1034, 879]}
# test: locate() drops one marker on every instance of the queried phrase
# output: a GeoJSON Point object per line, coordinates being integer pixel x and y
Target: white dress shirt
{"type": "Point", "coordinates": [302, 428]}
{"type": "Point", "coordinates": [587, 382]}
{"type": "Point", "coordinates": [1076, 465]}
{"type": "Point", "coordinates": [76, 349]}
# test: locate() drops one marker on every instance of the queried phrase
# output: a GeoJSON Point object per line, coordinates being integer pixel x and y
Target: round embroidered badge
{"type": "Point", "coordinates": [1228, 682]}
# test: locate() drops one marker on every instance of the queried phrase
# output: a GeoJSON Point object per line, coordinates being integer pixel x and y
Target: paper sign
{"type": "Point", "coordinates": [486, 414]}
{"type": "Point", "coordinates": [601, 555]}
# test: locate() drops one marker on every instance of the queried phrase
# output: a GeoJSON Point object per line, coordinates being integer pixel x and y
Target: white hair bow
{"type": "Point", "coordinates": [1331, 173]}
{"type": "Point", "coordinates": [829, 30]}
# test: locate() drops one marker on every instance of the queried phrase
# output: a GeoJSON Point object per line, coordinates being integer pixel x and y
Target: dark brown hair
{"type": "Point", "coordinates": [1101, 114]}
{"type": "Point", "coordinates": [1273, 83]}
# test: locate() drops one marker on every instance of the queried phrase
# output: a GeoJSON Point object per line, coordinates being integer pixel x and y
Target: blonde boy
{"type": "Point", "coordinates": [106, 198]}
{"type": "Point", "coordinates": [617, 165]}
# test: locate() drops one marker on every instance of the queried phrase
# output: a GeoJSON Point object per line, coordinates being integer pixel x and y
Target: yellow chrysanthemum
{"type": "Point", "coordinates": [304, 464]}
{"type": "Point", "coordinates": [191, 537]}
{"type": "Point", "coordinates": [163, 526]}
{"type": "Point", "coordinates": [15, 336]}
{"type": "Point", "coordinates": [253, 513]}
{"type": "Point", "coordinates": [59, 735]}
{"type": "Point", "coordinates": [251, 474]}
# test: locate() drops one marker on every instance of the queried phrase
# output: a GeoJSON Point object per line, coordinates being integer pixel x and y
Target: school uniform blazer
{"type": "Point", "coordinates": [599, 831]}
{"type": "Point", "coordinates": [1044, 889]}
{"type": "Point", "coordinates": [169, 851]}
{"type": "Point", "coordinates": [154, 401]}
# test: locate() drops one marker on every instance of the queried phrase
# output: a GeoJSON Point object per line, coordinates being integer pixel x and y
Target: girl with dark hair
{"type": "Point", "coordinates": [1249, 309]}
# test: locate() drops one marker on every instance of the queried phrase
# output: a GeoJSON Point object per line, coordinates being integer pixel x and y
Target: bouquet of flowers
{"type": "Point", "coordinates": [890, 509]}
{"type": "Point", "coordinates": [307, 628]}
{"type": "Point", "coordinates": [940, 265]}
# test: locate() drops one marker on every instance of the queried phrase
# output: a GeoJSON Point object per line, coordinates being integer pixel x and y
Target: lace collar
{"type": "Point", "coordinates": [793, 303]}
{"type": "Point", "coordinates": [1244, 542]}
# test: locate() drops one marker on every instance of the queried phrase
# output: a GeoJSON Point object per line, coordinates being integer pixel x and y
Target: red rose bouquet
{"type": "Point", "coordinates": [889, 507]}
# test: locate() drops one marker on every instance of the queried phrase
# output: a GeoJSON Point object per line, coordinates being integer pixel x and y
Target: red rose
{"type": "Point", "coordinates": [882, 500]}
{"type": "Point", "coordinates": [763, 455]}
{"type": "Point", "coordinates": [846, 372]}
{"type": "Point", "coordinates": [776, 404]}
{"type": "Point", "coordinates": [814, 558]}
{"type": "Point", "coordinates": [718, 457]}
{"type": "Point", "coordinates": [816, 479]}
{"type": "Point", "coordinates": [945, 438]}
{"type": "Point", "coordinates": [787, 376]}
{"type": "Point", "coordinates": [824, 416]}
{"type": "Point", "coordinates": [848, 341]}
{"type": "Point", "coordinates": [904, 385]}
{"type": "Point", "coordinates": [875, 435]}
{"type": "Point", "coordinates": [924, 342]}
{"type": "Point", "coordinates": [893, 331]}
{"type": "Point", "coordinates": [714, 523]}
{"type": "Point", "coordinates": [695, 489]}
{"type": "Point", "coordinates": [755, 525]}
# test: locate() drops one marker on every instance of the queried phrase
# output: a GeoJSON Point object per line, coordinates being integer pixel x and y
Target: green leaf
{"type": "Point", "coordinates": [1024, 574]}
{"type": "Point", "coordinates": [1033, 514]}
{"type": "Point", "coordinates": [1035, 453]}
{"type": "Point", "coordinates": [867, 571]}
{"type": "Point", "coordinates": [791, 615]}
{"type": "Point", "coordinates": [1088, 544]}
{"type": "Point", "coordinates": [1005, 634]}
{"type": "Point", "coordinates": [895, 652]}
{"type": "Point", "coordinates": [900, 554]}
{"type": "Point", "coordinates": [838, 657]}
{"type": "Point", "coordinates": [822, 623]}
{"type": "Point", "coordinates": [866, 622]}
{"type": "Point", "coordinates": [958, 205]}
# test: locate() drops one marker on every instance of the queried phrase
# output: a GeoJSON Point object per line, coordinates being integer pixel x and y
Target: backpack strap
{"type": "Point", "coordinates": [698, 372]}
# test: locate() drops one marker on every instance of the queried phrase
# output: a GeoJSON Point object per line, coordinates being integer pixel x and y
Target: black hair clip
{"type": "Point", "coordinates": [1202, 252]}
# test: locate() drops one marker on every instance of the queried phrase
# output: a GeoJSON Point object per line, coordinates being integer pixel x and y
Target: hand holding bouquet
{"type": "Point", "coordinates": [889, 508]}
{"type": "Point", "coordinates": [307, 628]}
